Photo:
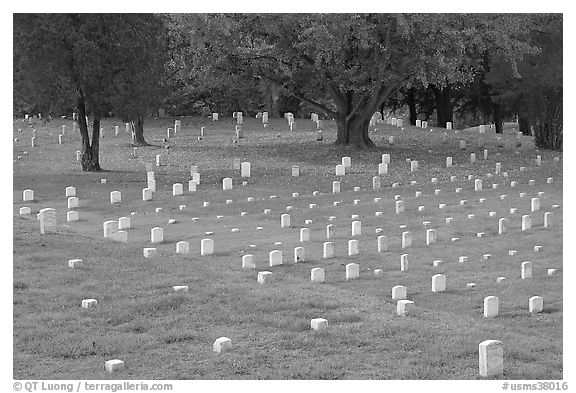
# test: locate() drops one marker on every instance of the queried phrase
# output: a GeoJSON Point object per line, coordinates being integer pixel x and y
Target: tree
{"type": "Point", "coordinates": [534, 92]}
{"type": "Point", "coordinates": [356, 61]}
{"type": "Point", "coordinates": [140, 86]}
{"type": "Point", "coordinates": [99, 59]}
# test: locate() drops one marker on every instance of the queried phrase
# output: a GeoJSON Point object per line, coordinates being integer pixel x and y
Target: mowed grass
{"type": "Point", "coordinates": [160, 334]}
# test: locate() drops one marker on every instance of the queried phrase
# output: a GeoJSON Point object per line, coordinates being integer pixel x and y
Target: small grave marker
{"type": "Point", "coordinates": [404, 307]}
{"type": "Point", "coordinates": [535, 304]}
{"type": "Point", "coordinates": [206, 247]}
{"type": "Point", "coordinates": [352, 271]}
{"type": "Point", "coordinates": [438, 283]}
{"type": "Point", "coordinates": [491, 305]}
{"type": "Point", "coordinates": [328, 250]}
{"type": "Point", "coordinates": [526, 270]}
{"type": "Point", "coordinates": [491, 358]}
{"type": "Point", "coordinates": [353, 247]}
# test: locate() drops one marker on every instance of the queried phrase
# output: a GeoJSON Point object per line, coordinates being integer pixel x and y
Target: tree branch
{"type": "Point", "coordinates": [356, 109]}
{"type": "Point", "coordinates": [317, 105]}
{"type": "Point", "coordinates": [341, 103]}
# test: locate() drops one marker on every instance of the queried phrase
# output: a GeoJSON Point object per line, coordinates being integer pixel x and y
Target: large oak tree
{"type": "Point", "coordinates": [347, 65]}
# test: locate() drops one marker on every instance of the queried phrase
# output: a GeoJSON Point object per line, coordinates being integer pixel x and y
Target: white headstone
{"type": "Point", "coordinates": [73, 202]}
{"type": "Point", "coordinates": [27, 195]}
{"type": "Point", "coordinates": [347, 162]}
{"type": "Point", "coordinates": [115, 197]}
{"type": "Point", "coordinates": [491, 358]}
{"type": "Point", "coordinates": [526, 270]}
{"type": "Point", "coordinates": [196, 178]}
{"type": "Point", "coordinates": [47, 217]}
{"type": "Point", "coordinates": [406, 239]}
{"type": "Point", "coordinates": [156, 235]}
{"type": "Point", "coordinates": [404, 307]}
{"type": "Point", "coordinates": [150, 252]}
{"type": "Point", "coordinates": [382, 169]}
{"type": "Point", "coordinates": [72, 216]}
{"type": "Point", "coordinates": [438, 283]}
{"type": "Point", "coordinates": [491, 306]}
{"type": "Point", "coordinates": [478, 185]}
{"type": "Point", "coordinates": [182, 247]}
{"type": "Point", "coordinates": [318, 324]}
{"type": "Point", "coordinates": [299, 254]}
{"type": "Point", "coordinates": [227, 183]}
{"type": "Point", "coordinates": [547, 220]}
{"type": "Point", "coordinates": [335, 187]}
{"type": "Point", "coordinates": [356, 228]}
{"type": "Point", "coordinates": [147, 194]}
{"type": "Point", "coordinates": [245, 169]}
{"type": "Point", "coordinates": [177, 189]}
{"type": "Point", "coordinates": [328, 250]}
{"type": "Point", "coordinates": [502, 226]}
{"type": "Point", "coordinates": [123, 223]}
{"type": "Point", "coordinates": [304, 235]}
{"type": "Point", "coordinates": [285, 221]}
{"type": "Point", "coordinates": [340, 170]}
{"type": "Point", "coordinates": [248, 262]}
{"type": "Point", "coordinates": [404, 262]}
{"type": "Point", "coordinates": [353, 247]}
{"type": "Point", "coordinates": [221, 345]}
{"type": "Point", "coordinates": [206, 247]}
{"type": "Point", "coordinates": [317, 274]}
{"type": "Point", "coordinates": [70, 191]}
{"type": "Point", "coordinates": [430, 236]}
{"type": "Point", "coordinates": [399, 207]}
{"type": "Point", "coordinates": [89, 303]}
{"type": "Point", "coordinates": [535, 304]}
{"type": "Point", "coordinates": [535, 204]}
{"type": "Point", "coordinates": [264, 277]}
{"type": "Point", "coordinates": [526, 222]}
{"type": "Point", "coordinates": [275, 258]}
{"type": "Point", "coordinates": [398, 292]}
{"type": "Point", "coordinates": [352, 271]}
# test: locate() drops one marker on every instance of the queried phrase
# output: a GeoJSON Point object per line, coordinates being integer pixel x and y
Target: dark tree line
{"type": "Point", "coordinates": [343, 66]}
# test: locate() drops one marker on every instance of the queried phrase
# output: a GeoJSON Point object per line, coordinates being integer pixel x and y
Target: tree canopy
{"type": "Point", "coordinates": [345, 66]}
{"type": "Point", "coordinates": [105, 62]}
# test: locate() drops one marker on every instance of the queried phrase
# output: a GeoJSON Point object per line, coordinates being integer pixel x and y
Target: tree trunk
{"type": "Point", "coordinates": [411, 101]}
{"type": "Point", "coordinates": [90, 153]}
{"type": "Point", "coordinates": [353, 133]}
{"type": "Point", "coordinates": [353, 113]}
{"type": "Point", "coordinates": [444, 107]}
{"type": "Point", "coordinates": [138, 129]}
{"type": "Point", "coordinates": [497, 118]}
{"type": "Point", "coordinates": [270, 92]}
{"type": "Point", "coordinates": [524, 125]}
{"type": "Point", "coordinates": [95, 147]}
{"type": "Point", "coordinates": [549, 127]}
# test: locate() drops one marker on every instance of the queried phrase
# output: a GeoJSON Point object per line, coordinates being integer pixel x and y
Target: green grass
{"type": "Point", "coordinates": [164, 335]}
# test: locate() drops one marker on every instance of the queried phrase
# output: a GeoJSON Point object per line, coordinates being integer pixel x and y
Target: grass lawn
{"type": "Point", "coordinates": [160, 334]}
